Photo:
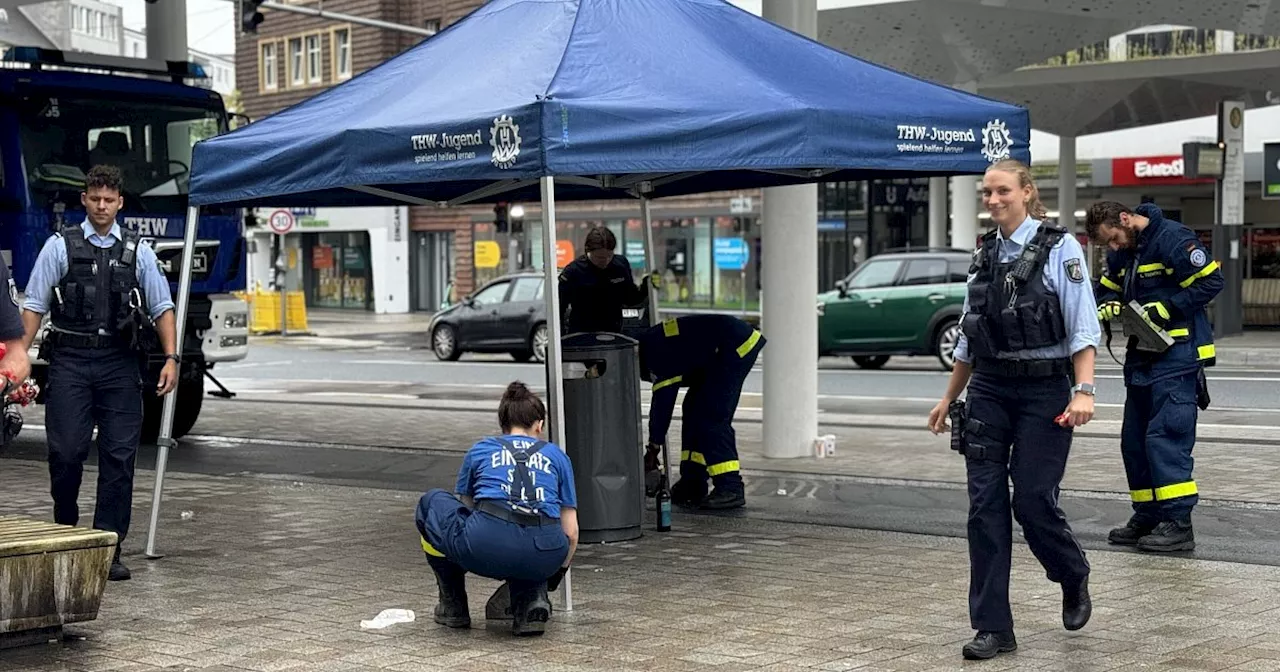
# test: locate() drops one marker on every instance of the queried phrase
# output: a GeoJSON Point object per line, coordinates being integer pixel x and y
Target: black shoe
{"type": "Point", "coordinates": [1168, 537]}
{"type": "Point", "coordinates": [1077, 606]}
{"type": "Point", "coordinates": [452, 610]}
{"type": "Point", "coordinates": [688, 493]}
{"type": "Point", "coordinates": [118, 571]}
{"type": "Point", "coordinates": [531, 618]}
{"type": "Point", "coordinates": [1132, 531]}
{"type": "Point", "coordinates": [725, 498]}
{"type": "Point", "coordinates": [989, 644]}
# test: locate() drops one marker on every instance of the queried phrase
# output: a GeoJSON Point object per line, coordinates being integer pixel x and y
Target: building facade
{"type": "Point", "coordinates": [220, 68]}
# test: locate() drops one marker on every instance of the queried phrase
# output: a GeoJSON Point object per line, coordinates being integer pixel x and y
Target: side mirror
{"type": "Point", "coordinates": [241, 120]}
{"type": "Point", "coordinates": [469, 302]}
{"type": "Point", "coordinates": [843, 288]}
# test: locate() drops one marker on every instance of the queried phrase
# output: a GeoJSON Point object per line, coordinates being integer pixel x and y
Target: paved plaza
{"type": "Point", "coordinates": [268, 575]}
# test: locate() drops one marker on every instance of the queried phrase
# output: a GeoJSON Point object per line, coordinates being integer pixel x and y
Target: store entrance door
{"type": "Point", "coordinates": [432, 269]}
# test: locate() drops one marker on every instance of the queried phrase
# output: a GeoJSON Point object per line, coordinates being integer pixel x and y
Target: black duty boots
{"type": "Point", "coordinates": [989, 644]}
{"type": "Point", "coordinates": [1169, 536]}
{"type": "Point", "coordinates": [1077, 606]}
{"type": "Point", "coordinates": [452, 610]}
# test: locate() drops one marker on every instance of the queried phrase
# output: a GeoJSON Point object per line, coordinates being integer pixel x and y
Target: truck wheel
{"type": "Point", "coordinates": [190, 399]}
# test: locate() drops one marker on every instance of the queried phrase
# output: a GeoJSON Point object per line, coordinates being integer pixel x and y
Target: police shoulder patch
{"type": "Point", "coordinates": [1198, 258]}
{"type": "Point", "coordinates": [1075, 272]}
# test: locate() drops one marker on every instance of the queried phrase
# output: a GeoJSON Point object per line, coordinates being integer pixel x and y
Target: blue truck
{"type": "Point", "coordinates": [63, 112]}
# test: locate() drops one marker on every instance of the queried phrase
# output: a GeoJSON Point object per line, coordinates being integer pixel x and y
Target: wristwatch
{"type": "Point", "coordinates": [1086, 388]}
{"type": "Point", "coordinates": [174, 358]}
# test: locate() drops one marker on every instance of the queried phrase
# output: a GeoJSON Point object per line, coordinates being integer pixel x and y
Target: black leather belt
{"type": "Point", "coordinates": [503, 510]}
{"type": "Point", "coordinates": [1023, 368]}
{"type": "Point", "coordinates": [72, 340]}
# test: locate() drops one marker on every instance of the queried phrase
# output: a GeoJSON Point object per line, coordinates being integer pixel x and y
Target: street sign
{"type": "Point", "coordinates": [731, 254]}
{"type": "Point", "coordinates": [281, 221]}
{"type": "Point", "coordinates": [1271, 170]}
{"type": "Point", "coordinates": [740, 205]}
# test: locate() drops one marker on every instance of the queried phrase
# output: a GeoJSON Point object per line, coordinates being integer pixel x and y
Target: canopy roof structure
{"type": "Point", "coordinates": [616, 98]}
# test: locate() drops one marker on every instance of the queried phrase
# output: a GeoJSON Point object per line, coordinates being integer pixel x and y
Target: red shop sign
{"type": "Point", "coordinates": [1140, 170]}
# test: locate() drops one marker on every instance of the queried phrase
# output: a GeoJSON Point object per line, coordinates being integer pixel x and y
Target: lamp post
{"type": "Point", "coordinates": [515, 228]}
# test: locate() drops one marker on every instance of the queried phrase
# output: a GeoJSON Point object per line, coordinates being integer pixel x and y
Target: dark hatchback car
{"type": "Point", "coordinates": [508, 314]}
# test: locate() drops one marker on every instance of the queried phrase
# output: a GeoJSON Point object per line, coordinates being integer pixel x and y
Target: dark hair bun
{"type": "Point", "coordinates": [516, 391]}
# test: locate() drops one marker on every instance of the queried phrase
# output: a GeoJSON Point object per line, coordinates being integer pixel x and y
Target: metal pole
{"type": "Point", "coordinates": [167, 30]}
{"type": "Point", "coordinates": [650, 264]}
{"type": "Point", "coordinates": [282, 268]}
{"type": "Point", "coordinates": [165, 439]}
{"type": "Point", "coordinates": [555, 374]}
{"type": "Point", "coordinates": [347, 18]}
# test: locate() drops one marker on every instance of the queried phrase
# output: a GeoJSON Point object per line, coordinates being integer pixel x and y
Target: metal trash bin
{"type": "Point", "coordinates": [603, 433]}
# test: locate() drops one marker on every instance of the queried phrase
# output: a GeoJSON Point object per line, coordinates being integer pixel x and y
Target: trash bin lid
{"type": "Point", "coordinates": [596, 341]}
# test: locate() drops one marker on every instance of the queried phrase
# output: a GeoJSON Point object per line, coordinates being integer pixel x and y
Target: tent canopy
{"type": "Point", "coordinates": [615, 98]}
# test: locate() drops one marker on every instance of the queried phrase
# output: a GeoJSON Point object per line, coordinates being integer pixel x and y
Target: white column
{"type": "Point", "coordinates": [789, 260]}
{"type": "Point", "coordinates": [937, 212]}
{"type": "Point", "coordinates": [167, 30]}
{"type": "Point", "coordinates": [964, 212]}
{"type": "Point", "coordinates": [1067, 182]}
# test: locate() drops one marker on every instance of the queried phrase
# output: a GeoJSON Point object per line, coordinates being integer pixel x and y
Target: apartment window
{"type": "Point", "coordinates": [432, 25]}
{"type": "Point", "coordinates": [100, 21]}
{"type": "Point", "coordinates": [314, 73]}
{"type": "Point", "coordinates": [295, 61]}
{"type": "Point", "coordinates": [137, 50]}
{"type": "Point", "coordinates": [341, 53]}
{"type": "Point", "coordinates": [267, 66]}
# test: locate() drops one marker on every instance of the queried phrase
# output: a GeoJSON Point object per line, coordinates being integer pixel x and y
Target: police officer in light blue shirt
{"type": "Point", "coordinates": [514, 517]}
{"type": "Point", "coordinates": [1029, 329]}
{"type": "Point", "coordinates": [107, 300]}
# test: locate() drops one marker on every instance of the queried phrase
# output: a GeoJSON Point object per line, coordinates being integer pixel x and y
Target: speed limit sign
{"type": "Point", "coordinates": [281, 221]}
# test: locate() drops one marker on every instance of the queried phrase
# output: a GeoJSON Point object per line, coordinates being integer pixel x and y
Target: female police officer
{"type": "Point", "coordinates": [517, 520]}
{"type": "Point", "coordinates": [1029, 326]}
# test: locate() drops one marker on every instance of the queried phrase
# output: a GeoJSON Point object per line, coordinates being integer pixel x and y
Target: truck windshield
{"type": "Point", "coordinates": [149, 141]}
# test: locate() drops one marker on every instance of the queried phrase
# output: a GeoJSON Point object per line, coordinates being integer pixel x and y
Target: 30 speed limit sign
{"type": "Point", "coordinates": [281, 221]}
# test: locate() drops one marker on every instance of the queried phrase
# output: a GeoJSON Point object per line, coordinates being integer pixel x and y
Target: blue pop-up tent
{"type": "Point", "coordinates": [595, 99]}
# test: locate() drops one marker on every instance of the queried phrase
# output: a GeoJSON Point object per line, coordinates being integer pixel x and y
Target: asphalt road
{"type": "Point", "coordinates": [909, 385]}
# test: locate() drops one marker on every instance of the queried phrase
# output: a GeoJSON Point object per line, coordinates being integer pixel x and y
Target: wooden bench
{"type": "Point", "coordinates": [1261, 299]}
{"type": "Point", "coordinates": [50, 575]}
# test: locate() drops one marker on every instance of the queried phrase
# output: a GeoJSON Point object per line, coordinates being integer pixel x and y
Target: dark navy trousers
{"type": "Point", "coordinates": [489, 546]}
{"type": "Point", "coordinates": [709, 444]}
{"type": "Point", "coordinates": [1156, 439]}
{"type": "Point", "coordinates": [1012, 435]}
{"type": "Point", "coordinates": [89, 387]}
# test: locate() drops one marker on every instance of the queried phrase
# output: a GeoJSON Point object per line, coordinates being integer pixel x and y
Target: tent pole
{"type": "Point", "coordinates": [555, 373]}
{"type": "Point", "coordinates": [650, 259]}
{"type": "Point", "coordinates": [165, 441]}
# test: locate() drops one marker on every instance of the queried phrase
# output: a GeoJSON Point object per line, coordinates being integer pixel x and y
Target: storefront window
{"type": "Point", "coordinates": [338, 270]}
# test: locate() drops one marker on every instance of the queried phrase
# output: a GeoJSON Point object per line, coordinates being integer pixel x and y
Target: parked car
{"type": "Point", "coordinates": [896, 303]}
{"type": "Point", "coordinates": [508, 314]}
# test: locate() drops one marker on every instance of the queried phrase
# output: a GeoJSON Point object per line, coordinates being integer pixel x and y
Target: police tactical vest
{"type": "Point", "coordinates": [1010, 308]}
{"type": "Point", "coordinates": [100, 289]}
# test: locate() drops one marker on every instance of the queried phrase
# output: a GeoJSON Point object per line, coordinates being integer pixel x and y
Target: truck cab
{"type": "Point", "coordinates": [60, 114]}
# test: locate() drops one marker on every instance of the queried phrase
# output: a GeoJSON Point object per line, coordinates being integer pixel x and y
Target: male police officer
{"type": "Point", "coordinates": [95, 280]}
{"type": "Point", "coordinates": [1160, 264]}
{"type": "Point", "coordinates": [711, 355]}
{"type": "Point", "coordinates": [595, 287]}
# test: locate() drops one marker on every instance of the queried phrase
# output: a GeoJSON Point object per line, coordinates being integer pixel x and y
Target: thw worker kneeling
{"type": "Point", "coordinates": [517, 520]}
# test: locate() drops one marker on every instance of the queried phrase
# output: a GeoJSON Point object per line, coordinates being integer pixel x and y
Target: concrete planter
{"type": "Point", "coordinates": [50, 575]}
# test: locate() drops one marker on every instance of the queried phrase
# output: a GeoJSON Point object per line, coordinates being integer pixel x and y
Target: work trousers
{"type": "Point", "coordinates": [1011, 435]}
{"type": "Point", "coordinates": [1156, 440]}
{"type": "Point", "coordinates": [89, 387]}
{"type": "Point", "coordinates": [709, 444]}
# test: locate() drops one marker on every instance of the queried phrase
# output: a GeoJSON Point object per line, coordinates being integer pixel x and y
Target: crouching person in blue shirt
{"type": "Point", "coordinates": [514, 518]}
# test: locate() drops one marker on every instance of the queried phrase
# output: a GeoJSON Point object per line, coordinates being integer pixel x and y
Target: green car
{"type": "Point", "coordinates": [896, 303]}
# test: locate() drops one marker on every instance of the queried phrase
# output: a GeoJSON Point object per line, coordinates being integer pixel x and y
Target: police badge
{"type": "Point", "coordinates": [1075, 272]}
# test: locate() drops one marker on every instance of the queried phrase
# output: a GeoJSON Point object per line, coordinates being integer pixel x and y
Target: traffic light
{"type": "Point", "coordinates": [500, 217]}
{"type": "Point", "coordinates": [250, 17]}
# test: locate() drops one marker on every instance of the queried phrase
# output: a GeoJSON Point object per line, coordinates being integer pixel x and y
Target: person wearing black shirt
{"type": "Point", "coordinates": [595, 287]}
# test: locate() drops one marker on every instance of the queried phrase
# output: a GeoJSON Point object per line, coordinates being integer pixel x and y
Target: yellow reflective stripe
{"type": "Point", "coordinates": [1163, 312]}
{"type": "Point", "coordinates": [1142, 495]}
{"type": "Point", "coordinates": [1203, 272]}
{"type": "Point", "coordinates": [1176, 490]}
{"type": "Point", "coordinates": [670, 328]}
{"type": "Point", "coordinates": [1111, 284]}
{"type": "Point", "coordinates": [664, 383]}
{"type": "Point", "coordinates": [1147, 268]}
{"type": "Point", "coordinates": [748, 344]}
{"type": "Point", "coordinates": [693, 456]}
{"type": "Point", "coordinates": [431, 550]}
{"type": "Point", "coordinates": [722, 468]}
{"type": "Point", "coordinates": [1179, 332]}
{"type": "Point", "coordinates": [1207, 351]}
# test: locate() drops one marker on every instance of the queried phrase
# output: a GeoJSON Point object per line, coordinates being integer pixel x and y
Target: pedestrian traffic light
{"type": "Point", "coordinates": [500, 217]}
{"type": "Point", "coordinates": [250, 17]}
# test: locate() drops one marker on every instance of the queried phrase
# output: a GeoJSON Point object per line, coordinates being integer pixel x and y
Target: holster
{"type": "Point", "coordinates": [958, 413]}
{"type": "Point", "coordinates": [139, 332]}
{"type": "Point", "coordinates": [1202, 390]}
